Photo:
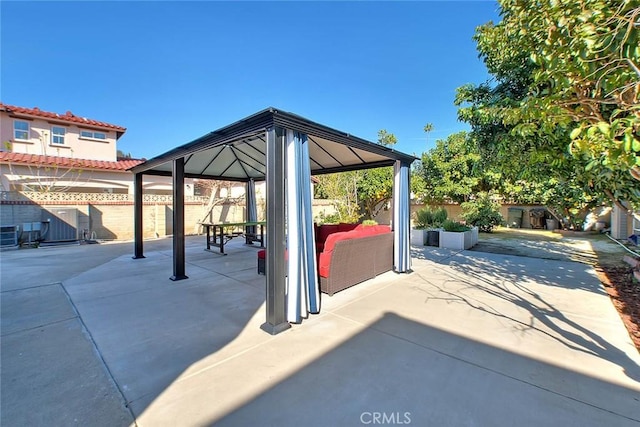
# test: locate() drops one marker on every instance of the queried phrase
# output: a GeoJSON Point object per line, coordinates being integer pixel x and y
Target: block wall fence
{"type": "Point", "coordinates": [107, 216]}
{"type": "Point", "coordinates": [110, 216]}
{"type": "Point", "coordinates": [455, 212]}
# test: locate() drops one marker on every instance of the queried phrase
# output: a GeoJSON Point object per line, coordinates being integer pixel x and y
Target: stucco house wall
{"type": "Point", "coordinates": [22, 130]}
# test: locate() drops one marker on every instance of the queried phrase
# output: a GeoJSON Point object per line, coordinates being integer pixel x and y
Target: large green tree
{"type": "Point", "coordinates": [448, 170]}
{"type": "Point", "coordinates": [563, 102]}
{"type": "Point", "coordinates": [375, 186]}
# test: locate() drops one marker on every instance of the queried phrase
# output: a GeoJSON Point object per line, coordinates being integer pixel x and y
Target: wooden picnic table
{"type": "Point", "coordinates": [218, 234]}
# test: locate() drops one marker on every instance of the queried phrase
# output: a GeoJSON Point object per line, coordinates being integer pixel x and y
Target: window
{"type": "Point", "coordinates": [20, 130]}
{"type": "Point", "coordinates": [57, 135]}
{"type": "Point", "coordinates": [92, 135]}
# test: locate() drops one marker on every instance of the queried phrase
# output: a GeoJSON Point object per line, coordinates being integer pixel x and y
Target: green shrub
{"type": "Point", "coordinates": [439, 217]}
{"type": "Point", "coordinates": [449, 225]}
{"type": "Point", "coordinates": [369, 222]}
{"type": "Point", "coordinates": [428, 218]}
{"type": "Point", "coordinates": [482, 213]}
{"type": "Point", "coordinates": [424, 218]}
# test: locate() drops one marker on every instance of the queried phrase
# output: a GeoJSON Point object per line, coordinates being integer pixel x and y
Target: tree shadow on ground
{"type": "Point", "coordinates": [517, 280]}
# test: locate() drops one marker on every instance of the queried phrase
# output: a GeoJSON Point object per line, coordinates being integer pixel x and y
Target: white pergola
{"type": "Point", "coordinates": [285, 149]}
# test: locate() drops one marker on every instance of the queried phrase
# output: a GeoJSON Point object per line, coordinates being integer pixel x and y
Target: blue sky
{"type": "Point", "coordinates": [172, 71]}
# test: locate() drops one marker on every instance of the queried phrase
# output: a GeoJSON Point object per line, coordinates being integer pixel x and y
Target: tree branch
{"type": "Point", "coordinates": [616, 201]}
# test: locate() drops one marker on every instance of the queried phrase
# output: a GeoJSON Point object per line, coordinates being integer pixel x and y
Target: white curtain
{"type": "Point", "coordinates": [303, 294]}
{"type": "Point", "coordinates": [401, 218]}
{"type": "Point", "coordinates": [252, 206]}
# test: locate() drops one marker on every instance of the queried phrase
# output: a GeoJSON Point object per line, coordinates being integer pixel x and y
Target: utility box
{"type": "Point", "coordinates": [63, 224]}
{"type": "Point", "coordinates": [514, 217]}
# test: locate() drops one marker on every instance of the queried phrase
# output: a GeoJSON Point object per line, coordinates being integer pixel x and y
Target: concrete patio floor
{"type": "Point", "coordinates": [90, 337]}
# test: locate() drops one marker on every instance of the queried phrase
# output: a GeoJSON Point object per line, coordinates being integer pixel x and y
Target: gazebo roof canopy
{"type": "Point", "coordinates": [237, 152]}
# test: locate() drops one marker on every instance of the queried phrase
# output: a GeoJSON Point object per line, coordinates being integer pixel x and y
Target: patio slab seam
{"type": "Point", "coordinates": [225, 360]}
{"type": "Point", "coordinates": [38, 326]}
{"type": "Point", "coordinates": [31, 287]}
{"type": "Point", "coordinates": [99, 354]}
{"type": "Point", "coordinates": [231, 277]}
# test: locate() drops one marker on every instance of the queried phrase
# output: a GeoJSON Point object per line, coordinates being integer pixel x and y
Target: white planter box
{"type": "Point", "coordinates": [459, 240]}
{"type": "Point", "coordinates": [418, 237]}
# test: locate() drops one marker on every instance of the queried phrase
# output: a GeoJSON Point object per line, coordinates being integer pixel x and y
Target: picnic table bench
{"type": "Point", "coordinates": [218, 234]}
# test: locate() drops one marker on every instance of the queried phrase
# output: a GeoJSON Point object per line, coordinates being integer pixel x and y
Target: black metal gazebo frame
{"type": "Point", "coordinates": [254, 149]}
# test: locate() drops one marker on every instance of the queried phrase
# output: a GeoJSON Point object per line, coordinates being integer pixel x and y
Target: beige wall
{"type": "Point", "coordinates": [40, 140]}
{"type": "Point", "coordinates": [114, 220]}
{"type": "Point", "coordinates": [455, 213]}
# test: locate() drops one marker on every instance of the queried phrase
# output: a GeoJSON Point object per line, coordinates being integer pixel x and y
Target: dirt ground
{"type": "Point", "coordinates": [589, 248]}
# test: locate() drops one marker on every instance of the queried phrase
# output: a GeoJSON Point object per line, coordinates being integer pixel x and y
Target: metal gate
{"type": "Point", "coordinates": [63, 223]}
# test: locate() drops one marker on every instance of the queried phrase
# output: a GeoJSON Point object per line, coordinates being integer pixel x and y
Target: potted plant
{"type": "Point", "coordinates": [424, 218]}
{"type": "Point", "coordinates": [433, 232]}
{"type": "Point", "coordinates": [455, 235]}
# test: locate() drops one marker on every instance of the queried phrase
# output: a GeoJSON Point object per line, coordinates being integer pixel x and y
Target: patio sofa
{"type": "Point", "coordinates": [346, 258]}
{"type": "Point", "coordinates": [325, 230]}
{"type": "Point", "coordinates": [351, 257]}
{"type": "Point", "coordinates": [321, 233]}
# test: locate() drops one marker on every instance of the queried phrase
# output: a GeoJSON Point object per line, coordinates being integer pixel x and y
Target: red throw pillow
{"type": "Point", "coordinates": [343, 226]}
{"type": "Point", "coordinates": [324, 231]}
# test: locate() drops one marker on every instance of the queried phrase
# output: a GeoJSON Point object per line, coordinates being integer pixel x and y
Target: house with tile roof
{"type": "Point", "coordinates": [49, 152]}
{"type": "Point", "coordinates": [65, 165]}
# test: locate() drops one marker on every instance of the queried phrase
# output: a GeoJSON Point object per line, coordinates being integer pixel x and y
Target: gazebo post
{"type": "Point", "coordinates": [137, 217]}
{"type": "Point", "coordinates": [178, 220]}
{"type": "Point", "coordinates": [276, 320]}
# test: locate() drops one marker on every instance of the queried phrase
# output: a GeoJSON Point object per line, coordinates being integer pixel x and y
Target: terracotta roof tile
{"type": "Point", "coordinates": [66, 117]}
{"type": "Point", "coordinates": [38, 160]}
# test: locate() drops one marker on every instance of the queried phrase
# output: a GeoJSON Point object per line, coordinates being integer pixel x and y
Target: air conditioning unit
{"type": "Point", "coordinates": [9, 235]}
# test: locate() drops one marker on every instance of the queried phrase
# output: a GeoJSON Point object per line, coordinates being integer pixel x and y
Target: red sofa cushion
{"type": "Point", "coordinates": [374, 229]}
{"type": "Point", "coordinates": [324, 258]}
{"type": "Point", "coordinates": [336, 237]}
{"type": "Point", "coordinates": [323, 264]}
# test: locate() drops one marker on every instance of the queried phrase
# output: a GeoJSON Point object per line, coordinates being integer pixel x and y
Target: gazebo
{"type": "Point", "coordinates": [285, 150]}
